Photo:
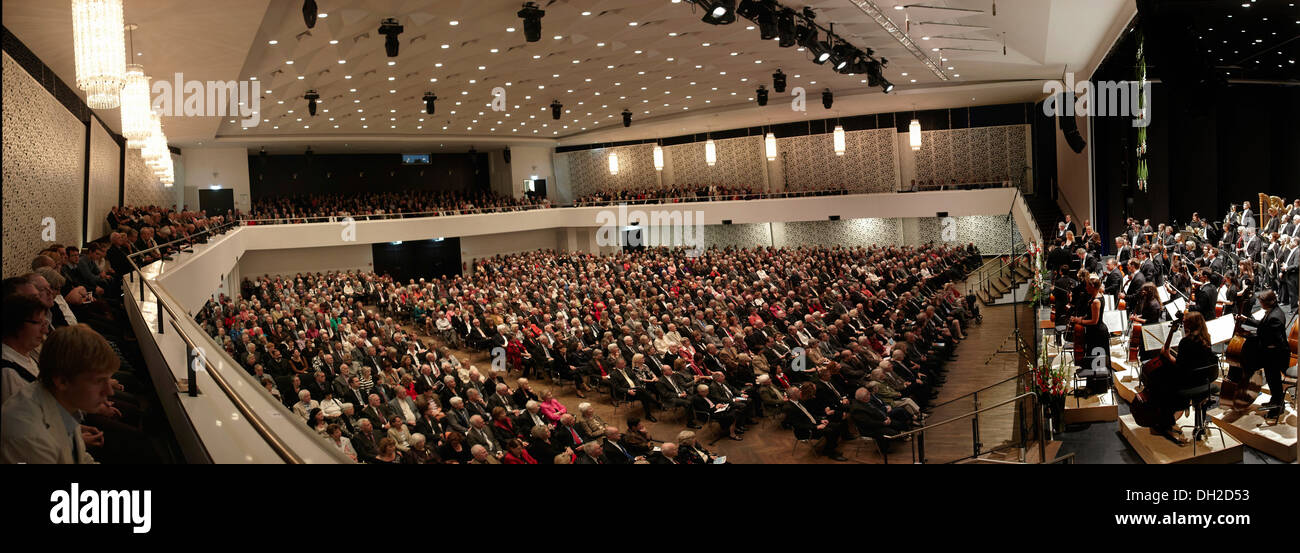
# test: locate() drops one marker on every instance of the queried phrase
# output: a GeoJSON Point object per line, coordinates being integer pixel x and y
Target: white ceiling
{"type": "Point", "coordinates": [703, 87]}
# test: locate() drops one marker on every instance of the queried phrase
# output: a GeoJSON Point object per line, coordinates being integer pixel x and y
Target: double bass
{"type": "Point", "coordinates": [1241, 387]}
{"type": "Point", "coordinates": [1145, 411]}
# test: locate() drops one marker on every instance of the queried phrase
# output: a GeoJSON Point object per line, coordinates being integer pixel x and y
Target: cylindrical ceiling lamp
{"type": "Point", "coordinates": [769, 144]}
{"type": "Point", "coordinates": [99, 44]}
{"type": "Point", "coordinates": [838, 135]}
{"type": "Point", "coordinates": [710, 152]}
{"type": "Point", "coordinates": [613, 163]}
{"type": "Point", "coordinates": [914, 134]}
{"type": "Point", "coordinates": [659, 158]}
{"type": "Point", "coordinates": [136, 126]}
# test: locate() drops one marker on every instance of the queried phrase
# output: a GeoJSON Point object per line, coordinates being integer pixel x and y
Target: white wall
{"type": "Point", "coordinates": [526, 161]}
{"type": "Point", "coordinates": [230, 166]}
{"type": "Point", "coordinates": [1074, 175]}
{"type": "Point", "coordinates": [358, 257]}
{"type": "Point", "coordinates": [488, 245]}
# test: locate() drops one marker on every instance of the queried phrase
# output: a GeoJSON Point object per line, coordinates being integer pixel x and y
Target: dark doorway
{"type": "Point", "coordinates": [538, 189]}
{"type": "Point", "coordinates": [216, 202]}
{"type": "Point", "coordinates": [634, 240]}
{"type": "Point", "coordinates": [418, 259]}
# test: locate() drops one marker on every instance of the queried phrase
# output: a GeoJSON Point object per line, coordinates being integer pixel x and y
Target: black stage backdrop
{"type": "Point", "coordinates": [273, 175]}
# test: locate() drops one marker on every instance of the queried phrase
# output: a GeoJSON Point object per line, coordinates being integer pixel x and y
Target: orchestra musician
{"type": "Point", "coordinates": [1208, 294]}
{"type": "Point", "coordinates": [1096, 337]}
{"type": "Point", "coordinates": [1274, 350]}
{"type": "Point", "coordinates": [1146, 311]}
{"type": "Point", "coordinates": [1113, 278]}
{"type": "Point", "coordinates": [1195, 366]}
{"type": "Point", "coordinates": [1242, 295]}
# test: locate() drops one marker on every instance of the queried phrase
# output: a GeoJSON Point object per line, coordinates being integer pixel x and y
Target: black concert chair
{"type": "Point", "coordinates": [1288, 387]}
{"type": "Point", "coordinates": [1200, 396]}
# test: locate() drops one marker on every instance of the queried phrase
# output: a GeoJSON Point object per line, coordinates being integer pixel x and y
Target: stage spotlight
{"type": "Point", "coordinates": [842, 55]}
{"type": "Point", "coordinates": [390, 29]}
{"type": "Point", "coordinates": [556, 106]}
{"type": "Point", "coordinates": [718, 12]}
{"type": "Point", "coordinates": [827, 98]}
{"type": "Point", "coordinates": [761, 95]}
{"type": "Point", "coordinates": [876, 77]}
{"type": "Point", "coordinates": [309, 13]}
{"type": "Point", "coordinates": [821, 51]}
{"type": "Point", "coordinates": [429, 100]}
{"type": "Point", "coordinates": [532, 16]}
{"type": "Point", "coordinates": [806, 35]}
{"type": "Point", "coordinates": [627, 118]}
{"type": "Point", "coordinates": [749, 9]}
{"type": "Point", "coordinates": [767, 29]}
{"type": "Point", "coordinates": [311, 96]}
{"type": "Point", "coordinates": [778, 81]}
{"type": "Point", "coordinates": [785, 28]}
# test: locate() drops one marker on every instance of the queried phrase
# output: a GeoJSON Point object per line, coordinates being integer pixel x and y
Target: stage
{"type": "Point", "coordinates": [1217, 447]}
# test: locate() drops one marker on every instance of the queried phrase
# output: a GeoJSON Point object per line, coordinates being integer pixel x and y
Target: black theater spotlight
{"type": "Point", "coordinates": [785, 28]}
{"type": "Point", "coordinates": [429, 100]}
{"type": "Point", "coordinates": [556, 106]}
{"type": "Point", "coordinates": [718, 12]}
{"type": "Point", "coordinates": [309, 13]}
{"type": "Point", "coordinates": [627, 118]}
{"type": "Point", "coordinates": [842, 55]}
{"type": "Point", "coordinates": [532, 16]}
{"type": "Point", "coordinates": [827, 98]}
{"type": "Point", "coordinates": [778, 81]}
{"type": "Point", "coordinates": [311, 96]}
{"type": "Point", "coordinates": [749, 9]}
{"type": "Point", "coordinates": [876, 76]}
{"type": "Point", "coordinates": [761, 95]}
{"type": "Point", "coordinates": [390, 29]}
{"type": "Point", "coordinates": [821, 52]}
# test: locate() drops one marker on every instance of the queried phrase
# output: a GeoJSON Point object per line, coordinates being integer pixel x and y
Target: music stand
{"type": "Point", "coordinates": [1175, 307]}
{"type": "Point", "coordinates": [1163, 293]}
{"type": "Point", "coordinates": [1221, 329]}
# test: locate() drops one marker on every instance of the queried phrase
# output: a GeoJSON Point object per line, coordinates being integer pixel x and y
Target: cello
{"type": "Point", "coordinates": [1145, 411]}
{"type": "Point", "coordinates": [1241, 388]}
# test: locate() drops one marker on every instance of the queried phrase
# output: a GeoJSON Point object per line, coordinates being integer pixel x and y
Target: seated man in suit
{"type": "Point", "coordinates": [627, 386]}
{"type": "Point", "coordinates": [592, 454]}
{"type": "Point", "coordinates": [672, 388]}
{"type": "Point", "coordinates": [480, 435]}
{"type": "Point", "coordinates": [720, 412]}
{"type": "Point", "coordinates": [617, 451]}
{"type": "Point", "coordinates": [531, 417]}
{"type": "Point", "coordinates": [377, 413]}
{"type": "Point", "coordinates": [808, 426]}
{"type": "Point", "coordinates": [567, 434]}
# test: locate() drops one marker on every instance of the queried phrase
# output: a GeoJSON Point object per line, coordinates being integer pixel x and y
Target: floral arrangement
{"type": "Point", "coordinates": [1047, 380]}
{"type": "Point", "coordinates": [1039, 286]}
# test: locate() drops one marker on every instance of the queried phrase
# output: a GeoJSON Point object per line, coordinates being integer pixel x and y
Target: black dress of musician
{"type": "Point", "coordinates": [1096, 337]}
{"type": "Point", "coordinates": [1146, 311]}
{"type": "Point", "coordinates": [1191, 372]}
{"type": "Point", "coordinates": [1274, 350]}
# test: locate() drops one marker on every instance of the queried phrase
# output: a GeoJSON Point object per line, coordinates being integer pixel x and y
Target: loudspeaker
{"type": "Point", "coordinates": [1070, 128]}
{"type": "Point", "coordinates": [835, 217]}
{"type": "Point", "coordinates": [726, 221]}
{"type": "Point", "coordinates": [941, 214]}
{"type": "Point", "coordinates": [506, 153]}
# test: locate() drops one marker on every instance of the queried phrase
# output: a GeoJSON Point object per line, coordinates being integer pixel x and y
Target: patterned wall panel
{"type": "Point", "coordinates": [847, 232]}
{"type": "Point", "coordinates": [747, 235]}
{"type": "Point", "coordinates": [589, 169]}
{"type": "Point", "coordinates": [988, 232]}
{"type": "Point", "coordinates": [105, 160]}
{"type": "Point", "coordinates": [142, 187]}
{"type": "Point", "coordinates": [867, 166]}
{"type": "Point", "coordinates": [740, 163]}
{"type": "Point", "coordinates": [43, 167]}
{"type": "Point", "coordinates": [981, 153]}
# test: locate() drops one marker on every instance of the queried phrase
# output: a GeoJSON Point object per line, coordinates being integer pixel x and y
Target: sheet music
{"type": "Point", "coordinates": [1164, 294]}
{"type": "Point", "coordinates": [1115, 320]}
{"type": "Point", "coordinates": [1109, 302]}
{"type": "Point", "coordinates": [1153, 336]}
{"type": "Point", "coordinates": [1175, 307]}
{"type": "Point", "coordinates": [1221, 329]}
{"type": "Point", "coordinates": [1223, 294]}
{"type": "Point", "coordinates": [1258, 315]}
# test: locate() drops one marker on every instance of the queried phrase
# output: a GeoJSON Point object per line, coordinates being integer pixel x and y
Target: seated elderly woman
{"type": "Point", "coordinates": [589, 423]}
{"type": "Point", "coordinates": [691, 452]}
{"type": "Point", "coordinates": [399, 433]}
{"type": "Point", "coordinates": [305, 404]}
{"type": "Point", "coordinates": [551, 407]}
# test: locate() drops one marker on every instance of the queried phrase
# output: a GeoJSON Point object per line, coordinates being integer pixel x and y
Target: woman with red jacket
{"type": "Point", "coordinates": [517, 455]}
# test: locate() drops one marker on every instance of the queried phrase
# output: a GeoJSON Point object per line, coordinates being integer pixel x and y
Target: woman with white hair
{"type": "Point", "coordinates": [305, 404]}
{"type": "Point", "coordinates": [589, 423]}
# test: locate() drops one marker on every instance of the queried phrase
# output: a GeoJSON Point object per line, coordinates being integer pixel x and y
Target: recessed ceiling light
{"type": "Point", "coordinates": [586, 13]}
{"type": "Point", "coordinates": [342, 61]}
{"type": "Point", "coordinates": [345, 77]}
{"type": "Point", "coordinates": [392, 63]}
{"type": "Point", "coordinates": [558, 37]}
{"type": "Point", "coordinates": [672, 34]}
{"type": "Point", "coordinates": [392, 92]}
{"type": "Point", "coordinates": [903, 74]}
{"type": "Point", "coordinates": [272, 42]}
{"type": "Point", "coordinates": [510, 29]}
{"type": "Point", "coordinates": [446, 46]}
{"type": "Point", "coordinates": [288, 62]}
{"type": "Point", "coordinates": [704, 44]}
{"type": "Point", "coordinates": [392, 78]}
{"type": "Point", "coordinates": [334, 42]}
{"type": "Point", "coordinates": [749, 28]}
{"type": "Point", "coordinates": [494, 50]}
{"type": "Point", "coordinates": [537, 56]}
{"type": "Point", "coordinates": [323, 15]}
{"type": "Point", "coordinates": [453, 23]}
{"type": "Point", "coordinates": [300, 77]}
{"type": "Point", "coordinates": [956, 75]}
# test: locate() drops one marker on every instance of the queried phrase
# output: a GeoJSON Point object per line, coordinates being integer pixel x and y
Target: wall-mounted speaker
{"type": "Point", "coordinates": [726, 221]}
{"type": "Point", "coordinates": [1070, 129]}
{"type": "Point", "coordinates": [834, 217]}
{"type": "Point", "coordinates": [941, 214]}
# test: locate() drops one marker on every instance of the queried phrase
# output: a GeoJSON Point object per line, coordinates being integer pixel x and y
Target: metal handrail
{"type": "Point", "coordinates": [998, 383]}
{"type": "Point", "coordinates": [920, 432]}
{"type": "Point", "coordinates": [964, 415]}
{"type": "Point", "coordinates": [1014, 259]}
{"type": "Point", "coordinates": [720, 197]}
{"type": "Point", "coordinates": [268, 435]}
{"type": "Point", "coordinates": [207, 231]}
{"type": "Point", "coordinates": [1067, 459]}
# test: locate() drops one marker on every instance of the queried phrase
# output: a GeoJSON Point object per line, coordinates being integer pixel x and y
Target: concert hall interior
{"type": "Point", "coordinates": [834, 232]}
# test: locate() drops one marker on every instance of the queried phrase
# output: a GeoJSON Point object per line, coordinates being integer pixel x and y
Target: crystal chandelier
{"type": "Point", "coordinates": [98, 39]}
{"type": "Point", "coordinates": [769, 144]}
{"type": "Point", "coordinates": [613, 163]}
{"type": "Point", "coordinates": [710, 152]}
{"type": "Point", "coordinates": [838, 135]}
{"type": "Point", "coordinates": [155, 148]}
{"type": "Point", "coordinates": [136, 126]}
{"type": "Point", "coordinates": [659, 158]}
{"type": "Point", "coordinates": [914, 134]}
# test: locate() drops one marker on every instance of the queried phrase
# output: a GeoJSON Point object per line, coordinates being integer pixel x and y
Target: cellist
{"type": "Point", "coordinates": [1274, 350]}
{"type": "Point", "coordinates": [1196, 365]}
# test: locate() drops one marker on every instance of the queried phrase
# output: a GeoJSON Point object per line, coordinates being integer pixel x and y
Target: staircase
{"type": "Point", "coordinates": [1012, 456]}
{"type": "Point", "coordinates": [1001, 284]}
{"type": "Point", "coordinates": [1047, 213]}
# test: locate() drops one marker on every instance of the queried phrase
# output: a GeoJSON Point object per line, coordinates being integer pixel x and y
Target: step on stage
{"type": "Point", "coordinates": [1253, 429]}
{"type": "Point", "coordinates": [1217, 448]}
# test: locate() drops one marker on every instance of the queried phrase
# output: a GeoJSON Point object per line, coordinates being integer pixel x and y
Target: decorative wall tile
{"type": "Point", "coordinates": [142, 187]}
{"type": "Point", "coordinates": [847, 232]}
{"type": "Point", "coordinates": [746, 235]}
{"type": "Point", "coordinates": [739, 163]}
{"type": "Point", "coordinates": [988, 232]}
{"type": "Point", "coordinates": [589, 169]}
{"type": "Point", "coordinates": [44, 168]}
{"type": "Point", "coordinates": [867, 166]}
{"type": "Point", "coordinates": [105, 160]}
{"type": "Point", "coordinates": [981, 153]}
